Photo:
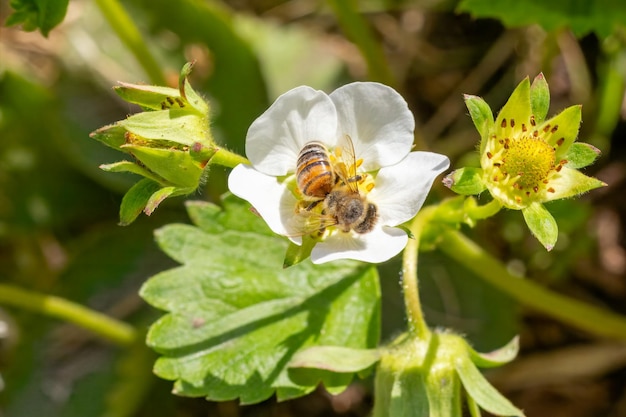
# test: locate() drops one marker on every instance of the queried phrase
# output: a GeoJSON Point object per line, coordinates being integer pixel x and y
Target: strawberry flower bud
{"type": "Point", "coordinates": [170, 143]}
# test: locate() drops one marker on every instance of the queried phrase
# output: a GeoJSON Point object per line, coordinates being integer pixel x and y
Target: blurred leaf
{"type": "Point", "coordinates": [39, 183]}
{"type": "Point", "coordinates": [235, 317]}
{"type": "Point", "coordinates": [600, 16]}
{"type": "Point", "coordinates": [455, 298]}
{"type": "Point", "coordinates": [335, 358]}
{"type": "Point", "coordinates": [290, 46]}
{"type": "Point", "coordinates": [37, 14]}
{"type": "Point", "coordinates": [236, 85]}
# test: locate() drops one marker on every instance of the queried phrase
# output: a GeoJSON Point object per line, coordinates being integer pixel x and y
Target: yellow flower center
{"type": "Point", "coordinates": [519, 163]}
{"type": "Point", "coordinates": [530, 158]}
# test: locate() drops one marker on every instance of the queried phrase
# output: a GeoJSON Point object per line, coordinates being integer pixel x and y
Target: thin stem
{"type": "Point", "coordinates": [228, 159]}
{"type": "Point", "coordinates": [127, 31]}
{"type": "Point", "coordinates": [476, 212]}
{"type": "Point", "coordinates": [357, 29]}
{"type": "Point", "coordinates": [410, 282]}
{"type": "Point", "coordinates": [575, 313]}
{"type": "Point", "coordinates": [50, 305]}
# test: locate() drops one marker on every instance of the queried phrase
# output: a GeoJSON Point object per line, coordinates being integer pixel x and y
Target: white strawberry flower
{"type": "Point", "coordinates": [380, 125]}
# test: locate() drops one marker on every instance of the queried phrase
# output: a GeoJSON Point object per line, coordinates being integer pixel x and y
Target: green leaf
{"type": "Point", "coordinates": [135, 200]}
{"type": "Point", "coordinates": [37, 14]}
{"type": "Point", "coordinates": [235, 317]}
{"type": "Point", "coordinates": [335, 358]}
{"type": "Point", "coordinates": [540, 98]}
{"type": "Point", "coordinates": [497, 357]}
{"type": "Point", "coordinates": [465, 181]}
{"type": "Point", "coordinates": [541, 224]}
{"type": "Point", "coordinates": [481, 115]}
{"type": "Point", "coordinates": [481, 391]}
{"type": "Point", "coordinates": [600, 16]}
{"type": "Point", "coordinates": [580, 155]}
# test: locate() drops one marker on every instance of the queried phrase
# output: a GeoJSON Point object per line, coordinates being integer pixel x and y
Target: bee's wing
{"type": "Point", "coordinates": [312, 222]}
{"type": "Point", "coordinates": [346, 169]}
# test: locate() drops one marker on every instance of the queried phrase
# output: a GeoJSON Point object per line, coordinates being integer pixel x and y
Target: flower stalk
{"type": "Point", "coordinates": [50, 305]}
{"type": "Point", "coordinates": [410, 281]}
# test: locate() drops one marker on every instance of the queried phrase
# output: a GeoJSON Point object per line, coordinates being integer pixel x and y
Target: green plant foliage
{"type": "Point", "coordinates": [602, 16]}
{"type": "Point", "coordinates": [37, 14]}
{"type": "Point", "coordinates": [236, 318]}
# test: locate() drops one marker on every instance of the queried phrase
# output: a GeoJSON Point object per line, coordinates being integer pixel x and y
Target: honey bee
{"type": "Point", "coordinates": [333, 182]}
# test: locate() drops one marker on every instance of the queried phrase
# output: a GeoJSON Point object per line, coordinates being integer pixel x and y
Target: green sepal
{"type": "Point", "coordinates": [561, 130]}
{"type": "Point", "coordinates": [149, 97]}
{"type": "Point", "coordinates": [176, 126]}
{"type": "Point", "coordinates": [113, 136]}
{"type": "Point", "coordinates": [482, 392]}
{"type": "Point", "coordinates": [189, 94]}
{"type": "Point", "coordinates": [466, 181]}
{"type": "Point", "coordinates": [152, 97]}
{"type": "Point", "coordinates": [135, 200]}
{"type": "Point", "coordinates": [580, 155]}
{"type": "Point", "coordinates": [517, 108]}
{"type": "Point", "coordinates": [400, 389]}
{"type": "Point", "coordinates": [160, 195]}
{"type": "Point", "coordinates": [127, 166]}
{"type": "Point", "coordinates": [335, 358]}
{"type": "Point", "coordinates": [201, 153]}
{"type": "Point", "coordinates": [298, 253]}
{"type": "Point", "coordinates": [572, 182]}
{"type": "Point", "coordinates": [541, 224]}
{"type": "Point", "coordinates": [33, 14]}
{"type": "Point", "coordinates": [498, 357]}
{"type": "Point", "coordinates": [173, 165]}
{"type": "Point", "coordinates": [481, 115]}
{"type": "Point", "coordinates": [540, 98]}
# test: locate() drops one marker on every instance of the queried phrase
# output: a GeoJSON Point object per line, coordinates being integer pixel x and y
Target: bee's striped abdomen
{"type": "Point", "coordinates": [314, 171]}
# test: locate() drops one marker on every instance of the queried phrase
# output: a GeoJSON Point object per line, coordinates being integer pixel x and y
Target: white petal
{"type": "Point", "coordinates": [378, 121]}
{"type": "Point", "coordinates": [401, 189]}
{"type": "Point", "coordinates": [376, 246]}
{"type": "Point", "coordinates": [297, 117]}
{"type": "Point", "coordinates": [271, 199]}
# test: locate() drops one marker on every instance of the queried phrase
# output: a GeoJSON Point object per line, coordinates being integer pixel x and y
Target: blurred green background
{"type": "Point", "coordinates": [59, 212]}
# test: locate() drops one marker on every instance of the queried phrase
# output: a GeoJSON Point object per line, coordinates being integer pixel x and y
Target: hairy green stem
{"type": "Point", "coordinates": [228, 159]}
{"type": "Point", "coordinates": [575, 313]}
{"type": "Point", "coordinates": [410, 282]}
{"type": "Point", "coordinates": [127, 31]}
{"type": "Point", "coordinates": [357, 29]}
{"type": "Point", "coordinates": [50, 305]}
